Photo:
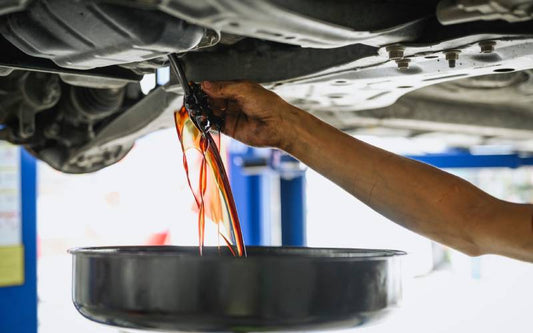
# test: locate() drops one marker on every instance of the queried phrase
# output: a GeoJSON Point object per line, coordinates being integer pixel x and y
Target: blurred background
{"type": "Point", "coordinates": [145, 199]}
{"type": "Point", "coordinates": [403, 75]}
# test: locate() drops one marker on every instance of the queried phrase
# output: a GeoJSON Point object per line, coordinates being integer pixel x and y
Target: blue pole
{"type": "Point", "coordinates": [18, 304]}
{"type": "Point", "coordinates": [467, 160]}
{"type": "Point", "coordinates": [249, 193]}
{"type": "Point", "coordinates": [292, 193]}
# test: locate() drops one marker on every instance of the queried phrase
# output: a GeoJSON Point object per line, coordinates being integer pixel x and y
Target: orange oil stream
{"type": "Point", "coordinates": [213, 198]}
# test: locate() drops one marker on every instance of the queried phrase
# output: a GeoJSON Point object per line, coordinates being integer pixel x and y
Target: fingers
{"type": "Point", "coordinates": [230, 127]}
{"type": "Point", "coordinates": [223, 107]}
{"type": "Point", "coordinates": [229, 111]}
{"type": "Point", "coordinates": [227, 89]}
{"type": "Point", "coordinates": [218, 105]}
{"type": "Point", "coordinates": [233, 122]}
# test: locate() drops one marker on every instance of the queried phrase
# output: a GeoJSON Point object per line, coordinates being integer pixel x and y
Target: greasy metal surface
{"type": "Point", "coordinates": [321, 25]}
{"type": "Point", "coordinates": [270, 62]}
{"type": "Point", "coordinates": [90, 34]}
{"type": "Point", "coordinates": [174, 289]}
{"type": "Point", "coordinates": [115, 139]}
{"type": "Point", "coordinates": [380, 85]}
{"type": "Point", "coordinates": [459, 11]}
{"type": "Point", "coordinates": [484, 108]}
{"type": "Point", "coordinates": [332, 77]}
{"type": "Point", "coordinates": [13, 58]}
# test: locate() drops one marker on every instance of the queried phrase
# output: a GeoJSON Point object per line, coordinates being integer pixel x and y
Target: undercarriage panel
{"type": "Point", "coordinates": [70, 70]}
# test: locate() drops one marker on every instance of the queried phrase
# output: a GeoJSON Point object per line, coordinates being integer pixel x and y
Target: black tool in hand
{"type": "Point", "coordinates": [195, 100]}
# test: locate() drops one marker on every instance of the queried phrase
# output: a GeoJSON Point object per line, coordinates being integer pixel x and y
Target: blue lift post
{"type": "Point", "coordinates": [251, 171]}
{"type": "Point", "coordinates": [18, 304]}
{"type": "Point", "coordinates": [249, 183]}
{"type": "Point", "coordinates": [292, 192]}
{"type": "Point", "coordinates": [292, 199]}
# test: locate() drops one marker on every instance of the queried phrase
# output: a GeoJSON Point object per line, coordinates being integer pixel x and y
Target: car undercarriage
{"type": "Point", "coordinates": [70, 70]}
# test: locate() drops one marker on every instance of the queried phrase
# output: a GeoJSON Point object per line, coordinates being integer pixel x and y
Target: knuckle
{"type": "Point", "coordinates": [225, 87]}
{"type": "Point", "coordinates": [246, 87]}
{"type": "Point", "coordinates": [218, 87]}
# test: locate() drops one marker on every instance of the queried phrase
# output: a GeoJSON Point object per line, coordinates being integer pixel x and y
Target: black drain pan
{"type": "Point", "coordinates": [275, 288]}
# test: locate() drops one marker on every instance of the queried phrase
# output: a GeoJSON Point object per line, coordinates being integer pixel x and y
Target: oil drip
{"type": "Point", "coordinates": [213, 196]}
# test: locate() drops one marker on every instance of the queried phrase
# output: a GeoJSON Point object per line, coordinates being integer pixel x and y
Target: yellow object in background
{"type": "Point", "coordinates": [11, 265]}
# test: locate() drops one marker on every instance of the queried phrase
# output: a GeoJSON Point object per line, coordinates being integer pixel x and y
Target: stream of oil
{"type": "Point", "coordinates": [213, 196]}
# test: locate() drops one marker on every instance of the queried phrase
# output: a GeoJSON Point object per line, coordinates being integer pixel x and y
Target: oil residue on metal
{"type": "Point", "coordinates": [212, 196]}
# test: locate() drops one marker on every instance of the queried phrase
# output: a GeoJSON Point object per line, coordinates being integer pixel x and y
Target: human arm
{"type": "Point", "coordinates": [415, 195]}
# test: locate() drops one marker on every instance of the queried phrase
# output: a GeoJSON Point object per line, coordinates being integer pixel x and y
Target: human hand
{"type": "Point", "coordinates": [252, 114]}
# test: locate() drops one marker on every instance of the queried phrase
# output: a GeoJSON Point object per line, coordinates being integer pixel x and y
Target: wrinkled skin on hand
{"type": "Point", "coordinates": [252, 114]}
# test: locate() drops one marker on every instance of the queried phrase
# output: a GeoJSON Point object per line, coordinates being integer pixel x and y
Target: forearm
{"type": "Point", "coordinates": [415, 195]}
